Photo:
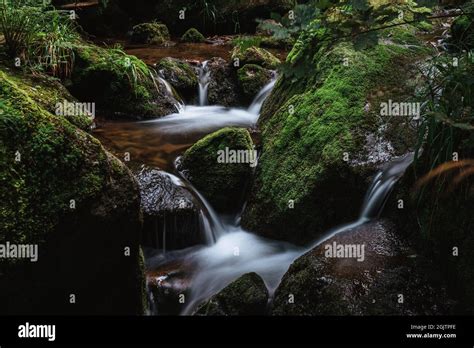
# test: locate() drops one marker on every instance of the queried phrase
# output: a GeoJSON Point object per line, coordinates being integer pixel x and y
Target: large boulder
{"type": "Point", "coordinates": [324, 136]}
{"type": "Point", "coordinates": [122, 86]}
{"type": "Point", "coordinates": [150, 33]}
{"type": "Point", "coordinates": [171, 213]}
{"type": "Point", "coordinates": [246, 296]}
{"type": "Point", "coordinates": [252, 78]}
{"type": "Point", "coordinates": [80, 205]}
{"type": "Point", "coordinates": [223, 85]}
{"type": "Point", "coordinates": [255, 55]}
{"type": "Point", "coordinates": [222, 182]}
{"type": "Point", "coordinates": [179, 74]}
{"type": "Point", "coordinates": [382, 276]}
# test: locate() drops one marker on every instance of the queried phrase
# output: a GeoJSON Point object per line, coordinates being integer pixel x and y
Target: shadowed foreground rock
{"type": "Point", "coordinates": [171, 214]}
{"type": "Point", "coordinates": [247, 295]}
{"type": "Point", "coordinates": [319, 285]}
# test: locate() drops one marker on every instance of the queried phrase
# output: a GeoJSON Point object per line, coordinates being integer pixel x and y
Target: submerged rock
{"type": "Point", "coordinates": [150, 33]}
{"type": "Point", "coordinates": [324, 137]}
{"type": "Point", "coordinates": [122, 86]}
{"type": "Point", "coordinates": [381, 277]}
{"type": "Point", "coordinates": [193, 35]}
{"type": "Point", "coordinates": [223, 86]}
{"type": "Point", "coordinates": [252, 78]}
{"type": "Point", "coordinates": [248, 295]}
{"type": "Point", "coordinates": [171, 213]}
{"type": "Point", "coordinates": [255, 55]}
{"type": "Point", "coordinates": [221, 180]}
{"type": "Point", "coordinates": [77, 203]}
{"type": "Point", "coordinates": [179, 74]}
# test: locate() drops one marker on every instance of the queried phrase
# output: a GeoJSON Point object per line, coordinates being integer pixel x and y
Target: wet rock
{"type": "Point", "coordinates": [247, 295]}
{"type": "Point", "coordinates": [255, 55]}
{"type": "Point", "coordinates": [252, 78]}
{"type": "Point", "coordinates": [223, 86]}
{"type": "Point", "coordinates": [223, 182]}
{"type": "Point", "coordinates": [179, 74]}
{"type": "Point", "coordinates": [150, 33]}
{"type": "Point", "coordinates": [171, 214]}
{"type": "Point", "coordinates": [389, 279]}
{"type": "Point", "coordinates": [193, 35]}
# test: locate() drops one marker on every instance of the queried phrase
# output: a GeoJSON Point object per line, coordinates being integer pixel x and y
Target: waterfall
{"type": "Point", "coordinates": [204, 80]}
{"type": "Point", "coordinates": [257, 103]}
{"type": "Point", "coordinates": [169, 90]}
{"type": "Point", "coordinates": [377, 195]}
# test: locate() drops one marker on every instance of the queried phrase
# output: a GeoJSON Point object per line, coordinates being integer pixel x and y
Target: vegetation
{"type": "Point", "coordinates": [193, 35]}
{"type": "Point", "coordinates": [150, 33]}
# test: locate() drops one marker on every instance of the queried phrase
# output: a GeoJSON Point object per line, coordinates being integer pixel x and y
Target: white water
{"type": "Point", "coordinates": [204, 80]}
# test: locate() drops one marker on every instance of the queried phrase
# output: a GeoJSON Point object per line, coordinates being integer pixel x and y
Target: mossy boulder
{"type": "Point", "coordinates": [121, 85]}
{"type": "Point", "coordinates": [323, 136]}
{"type": "Point", "coordinates": [150, 33]}
{"type": "Point", "coordinates": [368, 283]}
{"type": "Point", "coordinates": [62, 191]}
{"type": "Point", "coordinates": [246, 296]}
{"type": "Point", "coordinates": [255, 55]}
{"type": "Point", "coordinates": [193, 36]}
{"type": "Point", "coordinates": [179, 74]}
{"type": "Point", "coordinates": [222, 184]}
{"type": "Point", "coordinates": [252, 78]}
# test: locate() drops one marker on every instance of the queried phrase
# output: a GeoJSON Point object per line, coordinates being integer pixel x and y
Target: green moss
{"type": "Point", "coordinates": [150, 33]}
{"type": "Point", "coordinates": [307, 133]}
{"type": "Point", "coordinates": [118, 83]}
{"type": "Point", "coordinates": [178, 73]}
{"type": "Point", "coordinates": [252, 78]}
{"type": "Point", "coordinates": [193, 35]}
{"type": "Point", "coordinates": [255, 55]}
{"type": "Point", "coordinates": [50, 148]}
{"type": "Point", "coordinates": [221, 183]}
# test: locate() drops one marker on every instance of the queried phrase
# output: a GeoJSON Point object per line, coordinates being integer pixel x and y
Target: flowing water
{"type": "Point", "coordinates": [230, 251]}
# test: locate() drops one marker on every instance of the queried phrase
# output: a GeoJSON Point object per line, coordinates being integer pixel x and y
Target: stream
{"type": "Point", "coordinates": [229, 250]}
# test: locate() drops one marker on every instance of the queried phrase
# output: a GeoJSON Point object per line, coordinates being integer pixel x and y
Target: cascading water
{"type": "Point", "coordinates": [170, 92]}
{"type": "Point", "coordinates": [204, 80]}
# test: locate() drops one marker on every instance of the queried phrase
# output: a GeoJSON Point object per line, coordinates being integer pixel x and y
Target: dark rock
{"type": "Point", "coordinates": [246, 296]}
{"type": "Point", "coordinates": [223, 85]}
{"type": "Point", "coordinates": [171, 213]}
{"type": "Point", "coordinates": [150, 33]}
{"type": "Point", "coordinates": [252, 78]}
{"type": "Point", "coordinates": [319, 285]}
{"type": "Point", "coordinates": [193, 36]}
{"type": "Point", "coordinates": [179, 74]}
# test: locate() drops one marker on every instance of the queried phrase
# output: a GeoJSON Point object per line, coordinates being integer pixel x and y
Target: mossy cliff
{"type": "Point", "coordinates": [61, 190]}
{"type": "Point", "coordinates": [323, 136]}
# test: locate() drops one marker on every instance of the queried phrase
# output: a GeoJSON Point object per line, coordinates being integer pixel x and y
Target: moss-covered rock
{"type": "Point", "coordinates": [368, 283]}
{"type": "Point", "coordinates": [252, 78]}
{"type": "Point", "coordinates": [323, 137]}
{"type": "Point", "coordinates": [119, 84]}
{"type": "Point", "coordinates": [247, 295]}
{"type": "Point", "coordinates": [222, 184]}
{"type": "Point", "coordinates": [255, 55]}
{"type": "Point", "coordinates": [193, 35]}
{"type": "Point", "coordinates": [150, 33]}
{"type": "Point", "coordinates": [179, 74]}
{"type": "Point", "coordinates": [62, 191]}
